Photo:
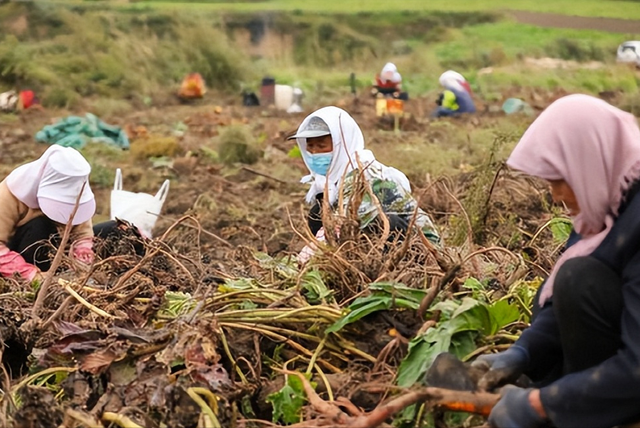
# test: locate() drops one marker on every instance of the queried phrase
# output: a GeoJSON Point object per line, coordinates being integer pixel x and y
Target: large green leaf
{"type": "Point", "coordinates": [468, 315]}
{"type": "Point", "coordinates": [502, 313]}
{"type": "Point", "coordinates": [360, 308]}
{"type": "Point", "coordinates": [422, 351]}
{"type": "Point", "coordinates": [384, 296]}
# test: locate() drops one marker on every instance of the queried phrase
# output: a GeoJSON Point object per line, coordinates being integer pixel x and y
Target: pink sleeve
{"type": "Point", "coordinates": [12, 263]}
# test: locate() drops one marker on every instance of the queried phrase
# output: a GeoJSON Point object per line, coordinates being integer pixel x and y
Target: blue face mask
{"type": "Point", "coordinates": [319, 163]}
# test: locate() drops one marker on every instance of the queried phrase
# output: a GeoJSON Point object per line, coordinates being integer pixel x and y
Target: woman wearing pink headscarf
{"type": "Point", "coordinates": [582, 350]}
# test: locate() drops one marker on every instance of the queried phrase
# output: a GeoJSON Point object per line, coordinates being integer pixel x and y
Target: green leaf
{"type": "Point", "coordinates": [284, 267]}
{"type": "Point", "coordinates": [314, 287]}
{"type": "Point", "coordinates": [295, 152]}
{"type": "Point", "coordinates": [238, 284]}
{"type": "Point", "coordinates": [385, 296]}
{"type": "Point", "coordinates": [502, 314]}
{"type": "Point", "coordinates": [399, 290]}
{"type": "Point", "coordinates": [473, 284]}
{"type": "Point", "coordinates": [247, 304]}
{"type": "Point", "coordinates": [468, 316]}
{"type": "Point", "coordinates": [463, 343]}
{"type": "Point", "coordinates": [360, 308]}
{"type": "Point", "coordinates": [287, 403]}
{"type": "Point", "coordinates": [560, 229]}
{"type": "Point", "coordinates": [422, 351]}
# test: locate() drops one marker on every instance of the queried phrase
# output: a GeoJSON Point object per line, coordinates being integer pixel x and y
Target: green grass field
{"type": "Point", "coordinates": [120, 51]}
{"type": "Point", "coordinates": [593, 8]}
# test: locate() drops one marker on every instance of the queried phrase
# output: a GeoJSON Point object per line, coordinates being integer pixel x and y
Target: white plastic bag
{"type": "Point", "coordinates": [8, 100]}
{"type": "Point", "coordinates": [140, 209]}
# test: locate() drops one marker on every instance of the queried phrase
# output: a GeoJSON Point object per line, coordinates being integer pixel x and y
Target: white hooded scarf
{"type": "Point", "coordinates": [391, 70]}
{"type": "Point", "coordinates": [452, 80]}
{"type": "Point", "coordinates": [348, 150]}
{"type": "Point", "coordinates": [52, 183]}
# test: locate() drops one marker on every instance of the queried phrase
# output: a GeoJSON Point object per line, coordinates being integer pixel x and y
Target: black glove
{"type": "Point", "coordinates": [502, 368]}
{"type": "Point", "coordinates": [514, 410]}
{"type": "Point", "coordinates": [440, 98]}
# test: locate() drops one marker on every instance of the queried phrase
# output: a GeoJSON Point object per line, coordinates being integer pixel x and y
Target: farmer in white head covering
{"type": "Point", "coordinates": [37, 200]}
{"type": "Point", "coordinates": [456, 97]}
{"type": "Point", "coordinates": [389, 82]}
{"type": "Point", "coordinates": [582, 349]}
{"type": "Point", "coordinates": [332, 146]}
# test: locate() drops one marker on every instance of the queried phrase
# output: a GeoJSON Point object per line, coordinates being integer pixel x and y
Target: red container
{"type": "Point", "coordinates": [268, 91]}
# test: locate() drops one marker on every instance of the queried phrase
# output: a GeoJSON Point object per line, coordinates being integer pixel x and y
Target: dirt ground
{"type": "Point", "coordinates": [552, 20]}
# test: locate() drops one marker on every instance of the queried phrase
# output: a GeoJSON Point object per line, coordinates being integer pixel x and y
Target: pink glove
{"type": "Point", "coordinates": [82, 250]}
{"type": "Point", "coordinates": [12, 263]}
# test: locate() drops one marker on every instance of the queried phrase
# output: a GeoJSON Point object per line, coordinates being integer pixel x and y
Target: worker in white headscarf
{"type": "Point", "coordinates": [389, 83]}
{"type": "Point", "coordinates": [456, 97]}
{"type": "Point", "coordinates": [37, 200]}
{"type": "Point", "coordinates": [332, 146]}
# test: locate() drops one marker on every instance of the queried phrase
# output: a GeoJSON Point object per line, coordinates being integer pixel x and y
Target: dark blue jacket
{"type": "Point", "coordinates": [609, 393]}
{"type": "Point", "coordinates": [464, 101]}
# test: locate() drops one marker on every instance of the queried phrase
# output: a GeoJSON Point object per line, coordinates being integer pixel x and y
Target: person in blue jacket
{"type": "Point", "coordinates": [582, 350]}
{"type": "Point", "coordinates": [456, 97]}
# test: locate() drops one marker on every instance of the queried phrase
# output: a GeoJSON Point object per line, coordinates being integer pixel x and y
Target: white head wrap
{"type": "Point", "coordinates": [348, 149]}
{"type": "Point", "coordinates": [52, 184]}
{"type": "Point", "coordinates": [390, 73]}
{"type": "Point", "coordinates": [452, 80]}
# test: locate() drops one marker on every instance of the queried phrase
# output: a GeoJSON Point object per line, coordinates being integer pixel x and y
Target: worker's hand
{"type": "Point", "coordinates": [83, 250]}
{"type": "Point", "coordinates": [501, 368]}
{"type": "Point", "coordinates": [514, 410]}
{"type": "Point", "coordinates": [310, 249]}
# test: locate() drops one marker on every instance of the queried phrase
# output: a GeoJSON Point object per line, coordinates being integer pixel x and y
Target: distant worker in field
{"type": "Point", "coordinates": [332, 147]}
{"type": "Point", "coordinates": [388, 83]}
{"type": "Point", "coordinates": [582, 350]}
{"type": "Point", "coordinates": [36, 202]}
{"type": "Point", "coordinates": [456, 98]}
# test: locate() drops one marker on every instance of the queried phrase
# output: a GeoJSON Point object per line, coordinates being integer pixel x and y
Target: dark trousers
{"type": "Point", "coordinates": [36, 239]}
{"type": "Point", "coordinates": [587, 303]}
{"type": "Point", "coordinates": [580, 328]}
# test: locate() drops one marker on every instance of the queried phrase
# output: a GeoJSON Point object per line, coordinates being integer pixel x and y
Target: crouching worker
{"type": "Point", "coordinates": [455, 99]}
{"type": "Point", "coordinates": [332, 146]}
{"type": "Point", "coordinates": [582, 349]}
{"type": "Point", "coordinates": [36, 202]}
{"type": "Point", "coordinates": [388, 83]}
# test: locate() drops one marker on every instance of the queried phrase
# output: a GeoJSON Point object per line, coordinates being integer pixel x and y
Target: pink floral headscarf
{"type": "Point", "coordinates": [595, 148]}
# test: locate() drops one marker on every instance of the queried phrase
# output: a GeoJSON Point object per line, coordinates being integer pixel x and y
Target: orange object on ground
{"type": "Point", "coordinates": [395, 106]}
{"type": "Point", "coordinates": [192, 86]}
